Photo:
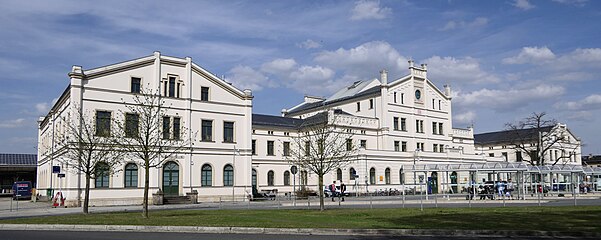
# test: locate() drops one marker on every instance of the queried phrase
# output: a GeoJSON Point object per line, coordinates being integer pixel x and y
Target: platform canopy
{"type": "Point", "coordinates": [480, 167]}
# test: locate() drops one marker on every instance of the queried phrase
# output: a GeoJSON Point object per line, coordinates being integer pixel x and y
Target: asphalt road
{"type": "Point", "coordinates": [57, 235]}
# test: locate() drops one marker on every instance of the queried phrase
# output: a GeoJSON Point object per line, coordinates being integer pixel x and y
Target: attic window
{"type": "Point", "coordinates": [355, 84]}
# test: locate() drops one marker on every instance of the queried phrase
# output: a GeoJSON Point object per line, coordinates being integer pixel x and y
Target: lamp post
{"type": "Point", "coordinates": [361, 152]}
{"type": "Point", "coordinates": [236, 152]}
{"type": "Point", "coordinates": [415, 158]}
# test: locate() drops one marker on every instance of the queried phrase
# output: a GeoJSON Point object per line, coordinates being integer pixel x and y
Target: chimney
{"type": "Point", "coordinates": [384, 77]}
{"type": "Point", "coordinates": [248, 92]}
{"type": "Point", "coordinates": [447, 90]}
{"type": "Point", "coordinates": [425, 67]}
{"type": "Point", "coordinates": [411, 63]}
{"type": "Point", "coordinates": [284, 112]}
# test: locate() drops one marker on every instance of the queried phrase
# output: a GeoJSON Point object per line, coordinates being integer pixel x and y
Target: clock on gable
{"type": "Point", "coordinates": [418, 94]}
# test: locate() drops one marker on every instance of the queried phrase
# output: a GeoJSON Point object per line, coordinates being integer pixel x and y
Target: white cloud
{"type": "Point", "coordinates": [306, 74]}
{"type": "Point", "coordinates": [244, 77]}
{"type": "Point", "coordinates": [42, 108]}
{"type": "Point", "coordinates": [280, 66]}
{"type": "Point", "coordinates": [315, 80]}
{"type": "Point", "coordinates": [592, 102]}
{"type": "Point", "coordinates": [13, 123]}
{"type": "Point", "coordinates": [578, 3]}
{"type": "Point", "coordinates": [309, 44]}
{"type": "Point", "coordinates": [478, 22]}
{"type": "Point", "coordinates": [366, 9]}
{"type": "Point", "coordinates": [364, 61]}
{"type": "Point", "coordinates": [523, 4]}
{"type": "Point", "coordinates": [536, 55]}
{"type": "Point", "coordinates": [458, 70]}
{"type": "Point", "coordinates": [503, 100]}
{"type": "Point", "coordinates": [464, 118]}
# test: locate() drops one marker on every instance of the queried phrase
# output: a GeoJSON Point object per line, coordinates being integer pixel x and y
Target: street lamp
{"type": "Point", "coordinates": [236, 152]}
{"type": "Point", "coordinates": [415, 158]}
{"type": "Point", "coordinates": [361, 150]}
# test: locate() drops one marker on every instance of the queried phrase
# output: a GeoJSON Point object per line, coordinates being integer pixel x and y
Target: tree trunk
{"type": "Point", "coordinates": [320, 185]}
{"type": "Point", "coordinates": [146, 182]}
{"type": "Point", "coordinates": [86, 200]}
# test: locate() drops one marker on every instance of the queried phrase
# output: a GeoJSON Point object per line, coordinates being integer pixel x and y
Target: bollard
{"type": "Point", "coordinates": [436, 200]}
{"type": "Point", "coordinates": [279, 202]}
{"type": "Point", "coordinates": [538, 199]}
{"type": "Point", "coordinates": [371, 206]}
{"type": "Point", "coordinates": [308, 203]}
{"type": "Point", "coordinates": [503, 200]}
{"type": "Point", "coordinates": [219, 202]}
{"type": "Point", "coordinates": [248, 204]}
{"type": "Point", "coordinates": [403, 199]}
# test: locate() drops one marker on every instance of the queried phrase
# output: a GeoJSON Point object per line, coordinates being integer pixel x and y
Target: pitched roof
{"type": "Point", "coordinates": [509, 135]}
{"type": "Point", "coordinates": [276, 121]}
{"type": "Point", "coordinates": [338, 97]}
{"type": "Point", "coordinates": [12, 159]}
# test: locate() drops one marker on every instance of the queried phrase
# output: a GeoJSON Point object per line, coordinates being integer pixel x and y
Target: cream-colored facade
{"type": "Point", "coordinates": [396, 123]}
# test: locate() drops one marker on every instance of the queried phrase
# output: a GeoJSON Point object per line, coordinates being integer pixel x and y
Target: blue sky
{"type": "Point", "coordinates": [503, 59]}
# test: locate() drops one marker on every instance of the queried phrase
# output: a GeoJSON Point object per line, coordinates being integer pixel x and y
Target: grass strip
{"type": "Point", "coordinates": [564, 219]}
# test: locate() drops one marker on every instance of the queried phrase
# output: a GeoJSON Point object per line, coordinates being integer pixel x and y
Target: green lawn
{"type": "Point", "coordinates": [565, 219]}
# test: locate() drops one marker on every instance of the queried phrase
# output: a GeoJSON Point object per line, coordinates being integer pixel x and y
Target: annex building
{"type": "Point", "coordinates": [396, 124]}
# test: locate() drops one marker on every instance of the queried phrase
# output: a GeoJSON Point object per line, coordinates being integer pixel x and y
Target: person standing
{"type": "Point", "coordinates": [333, 190]}
{"type": "Point", "coordinates": [342, 190]}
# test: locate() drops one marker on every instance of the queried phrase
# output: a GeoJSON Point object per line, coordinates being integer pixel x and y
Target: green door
{"type": "Point", "coordinates": [454, 182]}
{"type": "Point", "coordinates": [171, 179]}
{"type": "Point", "coordinates": [434, 183]}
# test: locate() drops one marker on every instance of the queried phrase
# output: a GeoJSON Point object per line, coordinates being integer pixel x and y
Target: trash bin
{"type": "Point", "coordinates": [49, 192]}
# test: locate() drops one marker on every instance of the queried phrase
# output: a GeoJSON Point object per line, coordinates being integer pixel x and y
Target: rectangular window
{"type": "Point", "coordinates": [435, 128]}
{"type": "Point", "coordinates": [439, 105]}
{"type": "Point", "coordinates": [394, 98]}
{"type": "Point", "coordinates": [440, 129]}
{"type": "Point", "coordinates": [166, 127]}
{"type": "Point", "coordinates": [103, 123]}
{"type": "Point", "coordinates": [171, 86]}
{"type": "Point", "coordinates": [421, 146]}
{"type": "Point", "coordinates": [131, 124]}
{"type": "Point", "coordinates": [286, 148]}
{"type": "Point", "coordinates": [433, 106]}
{"type": "Point", "coordinates": [165, 88]}
{"type": "Point", "coordinates": [435, 148]}
{"type": "Point", "coordinates": [364, 144]}
{"type": "Point", "coordinates": [135, 84]}
{"type": "Point", "coordinates": [254, 147]}
{"type": "Point", "coordinates": [371, 104]}
{"type": "Point", "coordinates": [307, 148]}
{"type": "Point", "coordinates": [491, 154]}
{"type": "Point", "coordinates": [228, 132]}
{"type": "Point", "coordinates": [403, 146]}
{"type": "Point", "coordinates": [178, 88]}
{"type": "Point", "coordinates": [403, 124]}
{"type": "Point", "coordinates": [349, 144]}
{"type": "Point", "coordinates": [207, 130]}
{"type": "Point", "coordinates": [358, 106]}
{"type": "Point", "coordinates": [176, 128]}
{"type": "Point", "coordinates": [270, 148]}
{"type": "Point", "coordinates": [397, 146]}
{"type": "Point", "coordinates": [504, 154]}
{"type": "Point", "coordinates": [402, 98]}
{"type": "Point", "coordinates": [204, 93]}
{"type": "Point", "coordinates": [419, 126]}
{"type": "Point", "coordinates": [395, 123]}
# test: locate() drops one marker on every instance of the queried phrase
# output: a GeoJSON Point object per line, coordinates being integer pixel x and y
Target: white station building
{"type": "Point", "coordinates": [396, 124]}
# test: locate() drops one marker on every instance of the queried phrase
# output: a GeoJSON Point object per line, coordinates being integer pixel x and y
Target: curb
{"type": "Point", "coordinates": [294, 231]}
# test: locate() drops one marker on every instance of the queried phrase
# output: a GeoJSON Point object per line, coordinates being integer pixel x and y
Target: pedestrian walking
{"type": "Point", "coordinates": [342, 190]}
{"type": "Point", "coordinates": [333, 190]}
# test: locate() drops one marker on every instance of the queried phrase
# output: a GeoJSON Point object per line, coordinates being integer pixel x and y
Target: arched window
{"type": "Point", "coordinates": [372, 176]}
{"type": "Point", "coordinates": [339, 174]}
{"type": "Point", "coordinates": [131, 175]}
{"type": "Point", "coordinates": [402, 176]}
{"type": "Point", "coordinates": [286, 178]}
{"type": "Point", "coordinates": [352, 173]}
{"type": "Point", "coordinates": [102, 174]}
{"type": "Point", "coordinates": [303, 178]}
{"type": "Point", "coordinates": [387, 175]}
{"type": "Point", "coordinates": [206, 176]}
{"type": "Point", "coordinates": [270, 176]}
{"type": "Point", "coordinates": [228, 175]}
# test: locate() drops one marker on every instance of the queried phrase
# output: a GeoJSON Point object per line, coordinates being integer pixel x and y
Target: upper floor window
{"type": "Point", "coordinates": [439, 105]}
{"type": "Point", "coordinates": [403, 124]}
{"type": "Point", "coordinates": [103, 123]}
{"type": "Point", "coordinates": [204, 93]}
{"type": "Point", "coordinates": [228, 132]}
{"type": "Point", "coordinates": [349, 144]}
{"type": "Point", "coordinates": [135, 84]}
{"type": "Point", "coordinates": [440, 129]}
{"type": "Point", "coordinates": [395, 123]}
{"type": "Point", "coordinates": [371, 104]}
{"type": "Point", "coordinates": [207, 130]}
{"type": "Point", "coordinates": [419, 126]}
{"type": "Point", "coordinates": [364, 144]}
{"type": "Point", "coordinates": [402, 98]}
{"type": "Point", "coordinates": [394, 97]}
{"type": "Point", "coordinates": [176, 128]}
{"type": "Point", "coordinates": [397, 146]}
{"type": "Point", "coordinates": [166, 127]}
{"type": "Point", "coordinates": [254, 147]}
{"type": "Point", "coordinates": [433, 106]}
{"type": "Point", "coordinates": [435, 128]}
{"type": "Point", "coordinates": [491, 154]}
{"type": "Point", "coordinates": [358, 106]}
{"type": "Point", "coordinates": [172, 87]}
{"type": "Point", "coordinates": [307, 148]}
{"type": "Point", "coordinates": [270, 151]}
{"type": "Point", "coordinates": [131, 124]}
{"type": "Point", "coordinates": [403, 146]}
{"type": "Point", "coordinates": [286, 149]}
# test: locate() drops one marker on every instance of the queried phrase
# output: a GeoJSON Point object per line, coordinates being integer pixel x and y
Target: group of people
{"type": "Point", "coordinates": [492, 190]}
{"type": "Point", "coordinates": [334, 190]}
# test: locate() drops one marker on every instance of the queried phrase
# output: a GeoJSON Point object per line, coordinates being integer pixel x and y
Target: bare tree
{"type": "Point", "coordinates": [148, 134]}
{"type": "Point", "coordinates": [88, 148]}
{"type": "Point", "coordinates": [535, 136]}
{"type": "Point", "coordinates": [320, 146]}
